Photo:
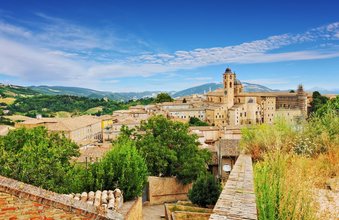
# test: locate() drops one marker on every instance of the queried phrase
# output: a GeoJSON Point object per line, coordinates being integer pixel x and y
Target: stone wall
{"type": "Point", "coordinates": [237, 200]}
{"type": "Point", "coordinates": [166, 189]}
{"type": "Point", "coordinates": [132, 210]}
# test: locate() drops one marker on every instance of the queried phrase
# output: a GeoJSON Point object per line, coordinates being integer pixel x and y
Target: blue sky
{"type": "Point", "coordinates": [169, 45]}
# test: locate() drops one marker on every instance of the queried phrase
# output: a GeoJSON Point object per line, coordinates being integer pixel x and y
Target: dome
{"type": "Point", "coordinates": [228, 70]}
{"type": "Point", "coordinates": [237, 82]}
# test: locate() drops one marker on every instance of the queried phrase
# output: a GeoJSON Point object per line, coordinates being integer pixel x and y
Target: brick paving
{"type": "Point", "coordinates": [237, 200]}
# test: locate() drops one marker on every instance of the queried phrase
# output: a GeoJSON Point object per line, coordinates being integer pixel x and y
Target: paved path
{"type": "Point", "coordinates": [153, 212]}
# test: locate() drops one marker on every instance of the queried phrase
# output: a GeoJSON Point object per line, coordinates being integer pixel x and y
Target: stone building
{"type": "Point", "coordinates": [82, 130]}
{"type": "Point", "coordinates": [231, 106]}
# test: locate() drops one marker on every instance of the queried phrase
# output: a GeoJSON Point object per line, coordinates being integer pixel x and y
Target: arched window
{"type": "Point", "coordinates": [230, 84]}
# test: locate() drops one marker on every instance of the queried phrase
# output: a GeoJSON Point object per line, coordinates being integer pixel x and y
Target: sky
{"type": "Point", "coordinates": [124, 46]}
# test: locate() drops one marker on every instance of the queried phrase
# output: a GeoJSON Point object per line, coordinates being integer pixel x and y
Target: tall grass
{"type": "Point", "coordinates": [291, 162]}
{"type": "Point", "coordinates": [282, 189]}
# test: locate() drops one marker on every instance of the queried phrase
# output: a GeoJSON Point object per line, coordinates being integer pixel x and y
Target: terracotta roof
{"type": "Point", "coordinates": [229, 147]}
{"type": "Point", "coordinates": [205, 128]}
{"type": "Point", "coordinates": [65, 124]}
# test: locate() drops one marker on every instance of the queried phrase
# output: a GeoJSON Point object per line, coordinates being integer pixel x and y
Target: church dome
{"type": "Point", "coordinates": [237, 82]}
{"type": "Point", "coordinates": [228, 70]}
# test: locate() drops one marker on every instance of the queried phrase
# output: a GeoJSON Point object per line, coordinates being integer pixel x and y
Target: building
{"type": "Point", "coordinates": [231, 106]}
{"type": "Point", "coordinates": [82, 130]}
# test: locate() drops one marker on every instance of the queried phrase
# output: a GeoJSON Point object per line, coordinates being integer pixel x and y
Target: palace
{"type": "Point", "coordinates": [231, 106]}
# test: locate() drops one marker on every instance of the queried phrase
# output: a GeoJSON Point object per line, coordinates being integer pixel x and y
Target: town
{"type": "Point", "coordinates": [175, 110]}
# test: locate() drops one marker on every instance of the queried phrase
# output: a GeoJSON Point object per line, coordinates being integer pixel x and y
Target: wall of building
{"type": "Point", "coordinates": [166, 189]}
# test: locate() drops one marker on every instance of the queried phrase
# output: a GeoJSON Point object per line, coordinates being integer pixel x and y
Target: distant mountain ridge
{"type": "Point", "coordinates": [78, 91]}
{"type": "Point", "coordinates": [248, 87]}
{"type": "Point", "coordinates": [125, 96]}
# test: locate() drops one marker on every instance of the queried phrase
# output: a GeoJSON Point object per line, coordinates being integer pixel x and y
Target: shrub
{"type": "Point", "coordinates": [121, 167]}
{"type": "Point", "coordinates": [205, 190]}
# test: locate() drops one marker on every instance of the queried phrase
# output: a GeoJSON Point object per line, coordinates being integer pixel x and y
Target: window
{"type": "Point", "coordinates": [230, 84]}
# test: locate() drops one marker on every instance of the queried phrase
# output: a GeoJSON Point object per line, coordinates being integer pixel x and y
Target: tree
{"type": "Point", "coordinates": [197, 122]}
{"type": "Point", "coordinates": [122, 167]}
{"type": "Point", "coordinates": [163, 97]}
{"type": "Point", "coordinates": [318, 101]}
{"type": "Point", "coordinates": [37, 157]}
{"type": "Point", "coordinates": [205, 191]}
{"type": "Point", "coordinates": [170, 150]}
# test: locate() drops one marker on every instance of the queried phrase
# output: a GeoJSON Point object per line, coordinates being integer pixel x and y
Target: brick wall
{"type": "Point", "coordinates": [237, 200]}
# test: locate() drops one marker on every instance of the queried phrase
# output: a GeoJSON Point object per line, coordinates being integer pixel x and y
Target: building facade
{"type": "Point", "coordinates": [231, 106]}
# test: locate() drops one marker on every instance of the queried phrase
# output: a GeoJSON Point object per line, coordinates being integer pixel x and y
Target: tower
{"type": "Point", "coordinates": [302, 100]}
{"type": "Point", "coordinates": [229, 87]}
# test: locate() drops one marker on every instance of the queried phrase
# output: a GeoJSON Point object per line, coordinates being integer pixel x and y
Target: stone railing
{"type": "Point", "coordinates": [237, 200]}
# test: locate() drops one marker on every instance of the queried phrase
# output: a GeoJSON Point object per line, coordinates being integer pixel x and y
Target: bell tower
{"type": "Point", "coordinates": [228, 79]}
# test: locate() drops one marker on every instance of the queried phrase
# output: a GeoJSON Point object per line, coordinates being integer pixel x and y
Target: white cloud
{"type": "Point", "coordinates": [67, 53]}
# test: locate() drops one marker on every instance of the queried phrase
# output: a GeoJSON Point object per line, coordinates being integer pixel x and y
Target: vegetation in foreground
{"type": "Point", "coordinates": [163, 148]}
{"type": "Point", "coordinates": [205, 191]}
{"type": "Point", "coordinates": [293, 160]}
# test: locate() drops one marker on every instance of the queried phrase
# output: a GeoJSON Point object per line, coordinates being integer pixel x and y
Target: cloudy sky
{"type": "Point", "coordinates": [169, 45]}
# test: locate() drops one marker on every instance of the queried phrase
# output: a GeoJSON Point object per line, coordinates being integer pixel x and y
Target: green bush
{"type": "Point", "coordinates": [121, 167]}
{"type": "Point", "coordinates": [197, 122]}
{"type": "Point", "coordinates": [205, 190]}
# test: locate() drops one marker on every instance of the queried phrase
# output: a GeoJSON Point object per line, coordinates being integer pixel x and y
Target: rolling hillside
{"type": "Point", "coordinates": [77, 91]}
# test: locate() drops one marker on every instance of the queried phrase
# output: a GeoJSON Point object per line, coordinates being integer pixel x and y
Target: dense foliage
{"type": "Point", "coordinates": [318, 101]}
{"type": "Point", "coordinates": [205, 190]}
{"type": "Point", "coordinates": [37, 157]}
{"type": "Point", "coordinates": [48, 105]}
{"type": "Point", "coordinates": [122, 167]}
{"type": "Point", "coordinates": [197, 122]}
{"type": "Point", "coordinates": [169, 149]}
{"type": "Point", "coordinates": [163, 97]}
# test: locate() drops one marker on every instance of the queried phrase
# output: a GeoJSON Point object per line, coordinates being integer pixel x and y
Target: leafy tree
{"type": "Point", "coordinates": [197, 122]}
{"type": "Point", "coordinates": [318, 101]}
{"type": "Point", "coordinates": [170, 150]}
{"type": "Point", "coordinates": [163, 97]}
{"type": "Point", "coordinates": [205, 191]}
{"type": "Point", "coordinates": [37, 157]}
